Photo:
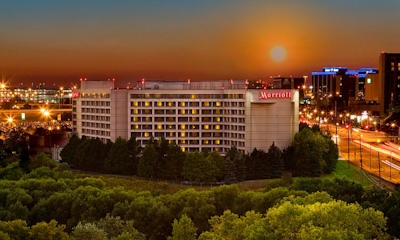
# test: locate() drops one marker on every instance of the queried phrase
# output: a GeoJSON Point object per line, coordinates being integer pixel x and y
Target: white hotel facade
{"type": "Point", "coordinates": [195, 115]}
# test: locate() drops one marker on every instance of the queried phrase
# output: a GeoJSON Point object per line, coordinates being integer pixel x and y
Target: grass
{"type": "Point", "coordinates": [352, 173]}
{"type": "Point", "coordinates": [160, 187]}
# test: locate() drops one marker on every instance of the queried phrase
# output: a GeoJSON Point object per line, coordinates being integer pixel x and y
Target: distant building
{"type": "Point", "coordinates": [341, 82]}
{"type": "Point", "coordinates": [213, 115]}
{"type": "Point", "coordinates": [389, 77]}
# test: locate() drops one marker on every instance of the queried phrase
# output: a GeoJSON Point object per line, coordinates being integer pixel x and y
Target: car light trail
{"type": "Point", "coordinates": [391, 164]}
{"type": "Point", "coordinates": [381, 150]}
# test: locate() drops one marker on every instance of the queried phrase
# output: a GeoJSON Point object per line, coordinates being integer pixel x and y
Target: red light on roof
{"type": "Point", "coordinates": [85, 79]}
{"type": "Point", "coordinates": [80, 79]}
{"type": "Point", "coordinates": [143, 80]}
{"type": "Point", "coordinates": [347, 126]}
{"type": "Point", "coordinates": [113, 79]}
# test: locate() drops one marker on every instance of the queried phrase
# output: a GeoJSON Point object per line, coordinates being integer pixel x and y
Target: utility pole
{"type": "Point", "coordinates": [360, 153]}
{"type": "Point", "coordinates": [379, 164]}
{"type": "Point", "coordinates": [336, 123]}
{"type": "Point", "coordinates": [370, 155]}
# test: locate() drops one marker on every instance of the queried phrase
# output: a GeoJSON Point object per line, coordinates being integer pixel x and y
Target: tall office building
{"type": "Point", "coordinates": [389, 77]}
{"type": "Point", "coordinates": [196, 115]}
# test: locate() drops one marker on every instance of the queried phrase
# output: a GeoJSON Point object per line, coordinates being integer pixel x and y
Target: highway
{"type": "Point", "coordinates": [373, 151]}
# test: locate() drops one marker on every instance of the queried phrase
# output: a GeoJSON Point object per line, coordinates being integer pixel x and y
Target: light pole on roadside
{"type": "Point", "coordinates": [348, 145]}
{"type": "Point", "coordinates": [360, 151]}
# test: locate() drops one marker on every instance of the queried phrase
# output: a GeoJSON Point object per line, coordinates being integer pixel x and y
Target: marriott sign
{"type": "Point", "coordinates": [267, 95]}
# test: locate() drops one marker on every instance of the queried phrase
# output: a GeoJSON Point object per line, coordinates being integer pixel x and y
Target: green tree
{"type": "Point", "coordinates": [199, 169]}
{"type": "Point", "coordinates": [134, 153]}
{"type": "Point", "coordinates": [330, 220]}
{"type": "Point", "coordinates": [216, 159]}
{"type": "Point", "coordinates": [119, 160]}
{"type": "Point", "coordinates": [115, 226]}
{"type": "Point", "coordinates": [68, 152]}
{"type": "Point", "coordinates": [42, 160]}
{"type": "Point", "coordinates": [48, 231]}
{"type": "Point", "coordinates": [274, 156]}
{"type": "Point", "coordinates": [309, 148]}
{"type": "Point", "coordinates": [11, 172]}
{"type": "Point", "coordinates": [148, 162]}
{"type": "Point", "coordinates": [183, 229]}
{"type": "Point", "coordinates": [18, 229]}
{"type": "Point", "coordinates": [331, 155]}
{"type": "Point", "coordinates": [88, 231]}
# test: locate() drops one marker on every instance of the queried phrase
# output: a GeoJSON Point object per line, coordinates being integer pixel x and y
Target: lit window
{"type": "Point", "coordinates": [217, 127]}
{"type": "Point", "coordinates": [171, 134]}
{"type": "Point", "coordinates": [183, 134]}
{"type": "Point", "coordinates": [135, 111]}
{"type": "Point", "coordinates": [171, 141]}
{"type": "Point", "coordinates": [159, 104]}
{"type": "Point", "coordinates": [368, 80]}
{"type": "Point", "coordinates": [135, 119]}
{"type": "Point", "coordinates": [135, 104]}
{"type": "Point", "coordinates": [159, 126]}
{"type": "Point", "coordinates": [205, 141]}
{"type": "Point", "coordinates": [183, 126]}
{"type": "Point", "coordinates": [195, 96]}
{"type": "Point", "coordinates": [146, 134]}
{"type": "Point", "coordinates": [217, 142]}
{"type": "Point", "coordinates": [146, 104]}
{"type": "Point", "coordinates": [194, 111]}
{"type": "Point", "coordinates": [170, 104]}
{"type": "Point", "coordinates": [183, 111]}
{"type": "Point", "coordinates": [183, 149]}
{"type": "Point", "coordinates": [218, 104]}
{"type": "Point", "coordinates": [136, 126]}
{"type": "Point", "coordinates": [218, 119]}
{"type": "Point", "coordinates": [182, 104]}
{"type": "Point", "coordinates": [183, 141]}
{"type": "Point", "coordinates": [206, 104]}
{"type": "Point", "coordinates": [206, 126]}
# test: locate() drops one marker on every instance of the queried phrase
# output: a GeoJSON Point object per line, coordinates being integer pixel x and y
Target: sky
{"type": "Point", "coordinates": [58, 42]}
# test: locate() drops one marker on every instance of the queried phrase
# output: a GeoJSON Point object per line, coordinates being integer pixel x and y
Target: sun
{"type": "Point", "coordinates": [278, 54]}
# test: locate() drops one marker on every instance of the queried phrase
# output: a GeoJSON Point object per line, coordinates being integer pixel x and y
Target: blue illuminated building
{"type": "Point", "coordinates": [339, 81]}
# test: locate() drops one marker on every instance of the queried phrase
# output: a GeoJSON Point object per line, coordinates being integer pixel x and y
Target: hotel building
{"type": "Point", "coordinates": [195, 115]}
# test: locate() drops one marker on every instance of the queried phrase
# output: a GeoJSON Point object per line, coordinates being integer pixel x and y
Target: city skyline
{"type": "Point", "coordinates": [59, 42]}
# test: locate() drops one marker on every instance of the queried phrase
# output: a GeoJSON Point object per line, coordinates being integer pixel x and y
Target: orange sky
{"type": "Point", "coordinates": [61, 42]}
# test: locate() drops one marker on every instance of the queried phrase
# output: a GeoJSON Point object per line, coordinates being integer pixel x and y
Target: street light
{"type": "Point", "coordinates": [360, 152]}
{"type": "Point", "coordinates": [348, 145]}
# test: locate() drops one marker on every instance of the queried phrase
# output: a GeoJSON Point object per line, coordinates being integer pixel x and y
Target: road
{"type": "Point", "coordinates": [378, 153]}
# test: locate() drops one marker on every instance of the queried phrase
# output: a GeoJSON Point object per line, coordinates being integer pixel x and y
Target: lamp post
{"type": "Point", "coordinates": [360, 151]}
{"type": "Point", "coordinates": [348, 145]}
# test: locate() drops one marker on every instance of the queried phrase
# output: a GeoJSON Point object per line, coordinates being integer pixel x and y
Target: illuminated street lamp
{"type": "Point", "coordinates": [10, 120]}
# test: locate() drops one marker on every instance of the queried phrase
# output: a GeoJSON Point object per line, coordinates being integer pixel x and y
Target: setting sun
{"type": "Point", "coordinates": [278, 54]}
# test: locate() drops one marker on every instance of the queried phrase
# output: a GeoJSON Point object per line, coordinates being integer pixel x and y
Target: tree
{"type": "Point", "coordinates": [42, 160]}
{"type": "Point", "coordinates": [216, 159]}
{"type": "Point", "coordinates": [331, 155]}
{"type": "Point", "coordinates": [134, 153]}
{"type": "Point", "coordinates": [115, 226]}
{"type": "Point", "coordinates": [309, 148]}
{"type": "Point", "coordinates": [88, 231]}
{"type": "Point", "coordinates": [274, 157]}
{"type": "Point", "coordinates": [119, 160]}
{"type": "Point", "coordinates": [183, 229]}
{"type": "Point", "coordinates": [68, 152]}
{"type": "Point", "coordinates": [48, 231]}
{"type": "Point", "coordinates": [199, 169]}
{"type": "Point", "coordinates": [147, 163]}
{"type": "Point", "coordinates": [330, 220]}
{"type": "Point", "coordinates": [18, 229]}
